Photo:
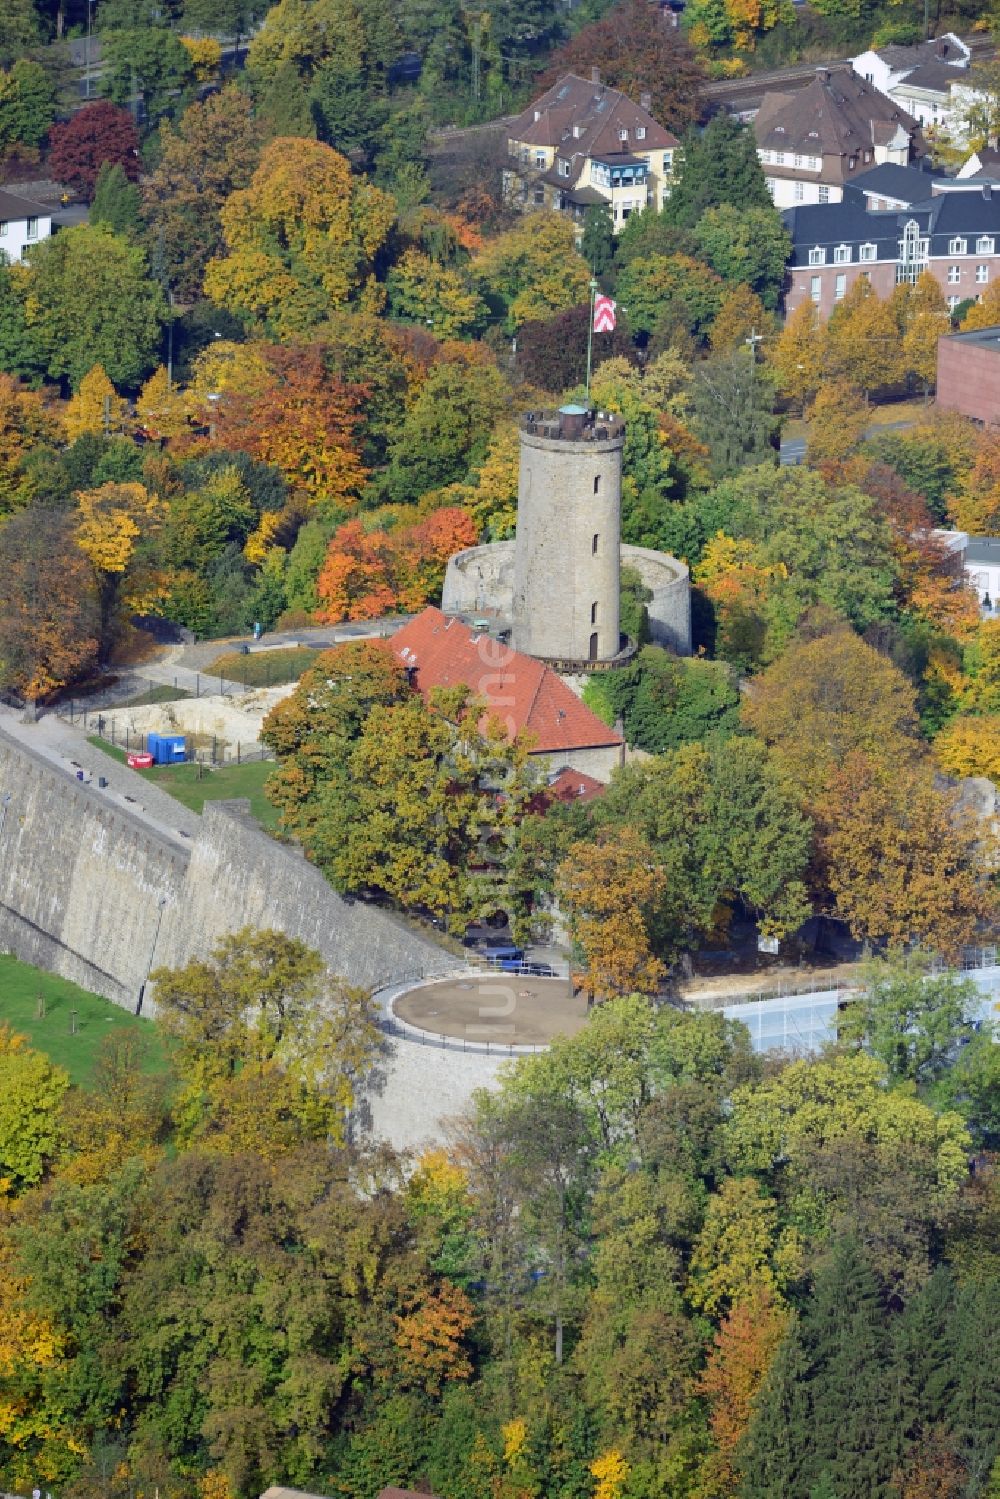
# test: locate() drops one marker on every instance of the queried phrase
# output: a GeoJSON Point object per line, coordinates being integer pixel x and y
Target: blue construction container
{"type": "Point", "coordinates": [166, 749]}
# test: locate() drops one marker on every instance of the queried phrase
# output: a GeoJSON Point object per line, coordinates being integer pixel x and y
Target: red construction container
{"type": "Point", "coordinates": [138, 761]}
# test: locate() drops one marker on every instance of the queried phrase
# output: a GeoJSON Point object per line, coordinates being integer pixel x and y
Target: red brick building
{"type": "Point", "coordinates": [955, 235]}
{"type": "Point", "coordinates": [968, 374]}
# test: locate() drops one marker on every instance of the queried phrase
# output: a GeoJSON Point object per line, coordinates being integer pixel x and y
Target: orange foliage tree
{"type": "Point", "coordinates": [304, 421]}
{"type": "Point", "coordinates": [367, 573]}
{"type": "Point", "coordinates": [976, 507]}
{"type": "Point", "coordinates": [737, 1366]}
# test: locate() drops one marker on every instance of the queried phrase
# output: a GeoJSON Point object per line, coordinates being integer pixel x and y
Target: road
{"type": "Point", "coordinates": [793, 451]}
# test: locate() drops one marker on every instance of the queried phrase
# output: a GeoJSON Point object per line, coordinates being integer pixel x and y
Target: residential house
{"type": "Point", "coordinates": [929, 80]}
{"type": "Point", "coordinates": [954, 235]}
{"type": "Point", "coordinates": [814, 142]}
{"type": "Point", "coordinates": [582, 143]}
{"type": "Point", "coordinates": [891, 186]}
{"type": "Point", "coordinates": [528, 697]}
{"type": "Point", "coordinates": [982, 163]}
{"type": "Point", "coordinates": [22, 224]}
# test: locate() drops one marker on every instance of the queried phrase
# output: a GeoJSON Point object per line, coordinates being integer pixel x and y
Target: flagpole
{"type": "Point", "coordinates": [590, 333]}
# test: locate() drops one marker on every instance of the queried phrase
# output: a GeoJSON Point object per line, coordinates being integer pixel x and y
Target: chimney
{"type": "Point", "coordinates": [823, 74]}
{"type": "Point", "coordinates": [595, 75]}
{"type": "Point", "coordinates": [646, 102]}
{"type": "Point", "coordinates": [988, 191]}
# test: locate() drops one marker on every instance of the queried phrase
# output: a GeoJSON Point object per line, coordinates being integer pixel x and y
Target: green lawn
{"type": "Point", "coordinates": [20, 987]}
{"type": "Point", "coordinates": [161, 693]}
{"type": "Point", "coordinates": [194, 785]}
{"type": "Point", "coordinates": [263, 668]}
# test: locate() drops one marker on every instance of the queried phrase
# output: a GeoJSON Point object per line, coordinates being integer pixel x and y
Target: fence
{"type": "Point", "coordinates": [202, 749]}
{"type": "Point", "coordinates": [136, 691]}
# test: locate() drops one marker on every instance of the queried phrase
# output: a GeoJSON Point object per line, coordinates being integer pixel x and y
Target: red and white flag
{"type": "Point", "coordinates": [604, 315]}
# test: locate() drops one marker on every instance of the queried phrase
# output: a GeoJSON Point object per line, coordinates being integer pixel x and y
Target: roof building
{"type": "Point", "coordinates": [813, 142]}
{"type": "Point", "coordinates": [582, 143]}
{"type": "Point", "coordinates": [968, 375]}
{"type": "Point", "coordinates": [954, 235]}
{"type": "Point", "coordinates": [22, 224]}
{"type": "Point", "coordinates": [930, 80]}
{"type": "Point", "coordinates": [525, 694]}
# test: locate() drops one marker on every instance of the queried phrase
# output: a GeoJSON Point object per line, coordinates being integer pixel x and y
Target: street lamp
{"type": "Point", "coordinates": [161, 903]}
{"type": "Point", "coordinates": [214, 396]}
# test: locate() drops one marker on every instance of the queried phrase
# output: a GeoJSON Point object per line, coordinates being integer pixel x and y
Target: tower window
{"type": "Point", "coordinates": [597, 483]}
{"type": "Point", "coordinates": [593, 614]}
{"type": "Point", "coordinates": [593, 545]}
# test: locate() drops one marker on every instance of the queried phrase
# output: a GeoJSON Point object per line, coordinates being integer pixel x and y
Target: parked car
{"type": "Point", "coordinates": [505, 956]}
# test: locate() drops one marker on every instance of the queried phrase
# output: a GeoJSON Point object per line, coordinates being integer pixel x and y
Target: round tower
{"type": "Point", "coordinates": [566, 554]}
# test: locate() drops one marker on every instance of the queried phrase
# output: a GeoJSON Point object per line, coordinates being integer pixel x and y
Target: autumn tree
{"type": "Point", "coordinates": [837, 420]}
{"type": "Point", "coordinates": [303, 420]}
{"type": "Point", "coordinates": [27, 424]}
{"type": "Point", "coordinates": [675, 288]}
{"type": "Point", "coordinates": [420, 290]}
{"type": "Point", "coordinates": [95, 407]}
{"type": "Point", "coordinates": [985, 312]}
{"type": "Point", "coordinates": [636, 58]}
{"type": "Point", "coordinates": [924, 319]}
{"type": "Point", "coordinates": [741, 315]}
{"type": "Point", "coordinates": [210, 153]}
{"type": "Point", "coordinates": [969, 745]}
{"type": "Point", "coordinates": [96, 134]}
{"type": "Point", "coordinates": [300, 239]}
{"type": "Point", "coordinates": [446, 429]}
{"type": "Point", "coordinates": [746, 247]}
{"type": "Point", "coordinates": [607, 889]}
{"type": "Point", "coordinates": [31, 1092]}
{"type": "Point", "coordinates": [976, 506]}
{"type": "Point", "coordinates": [863, 344]}
{"type": "Point", "coordinates": [902, 862]}
{"type": "Point", "coordinates": [114, 521]}
{"type": "Point", "coordinates": [533, 269]}
{"type": "Point", "coordinates": [826, 697]}
{"type": "Point", "coordinates": [49, 616]}
{"type": "Point", "coordinates": [371, 572]}
{"type": "Point", "coordinates": [797, 354]}
{"type": "Point", "coordinates": [741, 1355]}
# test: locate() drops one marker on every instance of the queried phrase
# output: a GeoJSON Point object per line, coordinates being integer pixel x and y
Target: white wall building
{"type": "Point", "coordinates": [930, 81]}
{"type": "Point", "coordinates": [22, 224]}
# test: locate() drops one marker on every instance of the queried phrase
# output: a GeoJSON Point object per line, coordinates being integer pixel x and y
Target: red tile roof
{"type": "Point", "coordinates": [573, 786]}
{"type": "Point", "coordinates": [520, 691]}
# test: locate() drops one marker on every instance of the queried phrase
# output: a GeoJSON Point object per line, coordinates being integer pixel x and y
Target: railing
{"type": "Point", "coordinates": [214, 750]}
{"type": "Point", "coordinates": [389, 1023]}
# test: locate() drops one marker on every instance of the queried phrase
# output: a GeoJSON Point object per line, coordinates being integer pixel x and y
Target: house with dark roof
{"type": "Point", "coordinates": [528, 697]}
{"type": "Point", "coordinates": [582, 143]}
{"type": "Point", "coordinates": [22, 224]}
{"type": "Point", "coordinates": [930, 80]}
{"type": "Point", "coordinates": [892, 186]}
{"type": "Point", "coordinates": [812, 143]}
{"type": "Point", "coordinates": [954, 235]}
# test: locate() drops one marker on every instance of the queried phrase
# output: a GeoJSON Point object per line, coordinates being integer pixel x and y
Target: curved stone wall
{"type": "Point", "coordinates": [480, 581]}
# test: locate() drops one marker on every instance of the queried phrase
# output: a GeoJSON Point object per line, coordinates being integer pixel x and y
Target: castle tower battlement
{"type": "Point", "coordinates": [567, 552]}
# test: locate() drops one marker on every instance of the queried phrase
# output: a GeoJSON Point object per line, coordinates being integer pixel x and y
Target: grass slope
{"type": "Point", "coordinates": [263, 668]}
{"type": "Point", "coordinates": [20, 987]}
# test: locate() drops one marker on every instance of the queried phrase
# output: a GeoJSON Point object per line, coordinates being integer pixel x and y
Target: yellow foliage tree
{"type": "Point", "coordinates": [864, 344]}
{"type": "Point", "coordinates": [607, 889]}
{"type": "Point", "coordinates": [163, 409]}
{"type": "Point", "coordinates": [742, 313]}
{"type": "Point", "coordinates": [535, 268]}
{"type": "Point", "coordinates": [96, 407]}
{"type": "Point", "coordinates": [986, 312]}
{"type": "Point", "coordinates": [925, 319]}
{"type": "Point", "coordinates": [205, 54]}
{"type": "Point", "coordinates": [227, 368]}
{"type": "Point", "coordinates": [970, 746]}
{"type": "Point", "coordinates": [837, 421]}
{"type": "Point", "coordinates": [301, 239]}
{"type": "Point", "coordinates": [259, 542]}
{"type": "Point", "coordinates": [611, 1471]}
{"type": "Point", "coordinates": [113, 519]}
{"type": "Point", "coordinates": [798, 354]}
{"type": "Point", "coordinates": [976, 506]}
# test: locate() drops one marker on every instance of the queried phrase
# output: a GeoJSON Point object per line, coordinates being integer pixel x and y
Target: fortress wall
{"type": "Point", "coordinates": [480, 580]}
{"type": "Point", "coordinates": [81, 879]}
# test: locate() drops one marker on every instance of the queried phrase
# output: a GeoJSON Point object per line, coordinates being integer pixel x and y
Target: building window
{"type": "Point", "coordinates": [824, 195]}
{"type": "Point", "coordinates": [868, 156]}
{"type": "Point", "coordinates": [668, 162]}
{"type": "Point", "coordinates": [32, 231]}
{"type": "Point", "coordinates": [770, 185]}
{"type": "Point", "coordinates": [593, 614]}
{"type": "Point", "coordinates": [779, 158]}
{"type": "Point", "coordinates": [540, 196]}
{"type": "Point", "coordinates": [800, 192]}
{"type": "Point", "coordinates": [954, 275]}
{"type": "Point", "coordinates": [623, 135]}
{"type": "Point", "coordinates": [593, 544]}
{"type": "Point", "coordinates": [640, 132]}
{"type": "Point", "coordinates": [540, 159]}
{"type": "Point", "coordinates": [982, 274]}
{"type": "Point", "coordinates": [865, 276]}
{"type": "Point", "coordinates": [816, 288]}
{"type": "Point", "coordinates": [867, 252]}
{"type": "Point", "coordinates": [840, 289]}
{"type": "Point", "coordinates": [913, 251]}
{"type": "Point", "coordinates": [953, 303]}
{"type": "Point", "coordinates": [984, 245]}
{"type": "Point", "coordinates": [597, 483]}
{"type": "Point", "coordinates": [957, 247]}
{"type": "Point", "coordinates": [564, 168]}
{"type": "Point", "coordinates": [852, 163]}
{"type": "Point", "coordinates": [842, 255]}
{"type": "Point", "coordinates": [817, 255]}
{"type": "Point", "coordinates": [3, 226]}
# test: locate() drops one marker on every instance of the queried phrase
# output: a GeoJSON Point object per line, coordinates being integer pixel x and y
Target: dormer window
{"type": "Point", "coordinates": [623, 135]}
{"type": "Point", "coordinates": [984, 245]}
{"type": "Point", "coordinates": [577, 132]}
{"type": "Point", "coordinates": [640, 132]}
{"type": "Point", "coordinates": [538, 115]}
{"type": "Point", "coordinates": [563, 168]}
{"type": "Point", "coordinates": [867, 252]}
{"type": "Point", "coordinates": [958, 246]}
{"type": "Point", "coordinates": [841, 254]}
{"type": "Point", "coordinates": [817, 256]}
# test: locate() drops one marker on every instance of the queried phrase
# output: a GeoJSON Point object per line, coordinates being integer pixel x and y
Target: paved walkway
{"type": "Point", "coordinates": [195, 658]}
{"type": "Point", "coordinates": [66, 747]}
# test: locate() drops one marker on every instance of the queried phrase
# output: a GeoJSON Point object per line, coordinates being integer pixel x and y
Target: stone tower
{"type": "Point", "coordinates": [566, 556]}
